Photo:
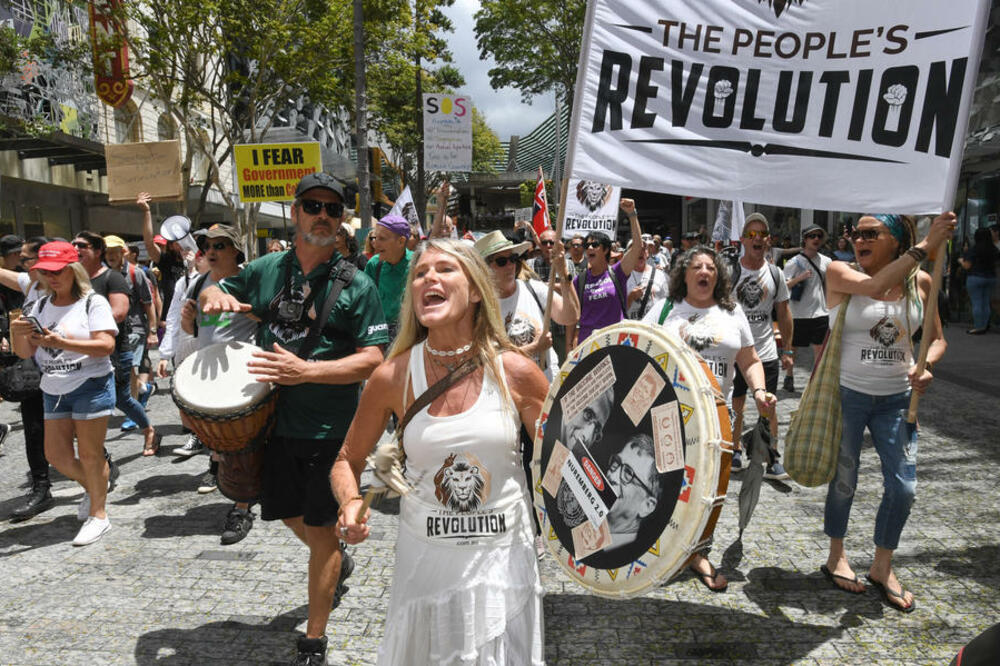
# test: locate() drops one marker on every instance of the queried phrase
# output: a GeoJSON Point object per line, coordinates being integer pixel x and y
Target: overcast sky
{"type": "Point", "coordinates": [503, 108]}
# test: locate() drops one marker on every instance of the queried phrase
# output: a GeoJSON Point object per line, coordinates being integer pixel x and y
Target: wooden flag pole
{"type": "Point", "coordinates": [930, 314]}
{"type": "Point", "coordinates": [552, 269]}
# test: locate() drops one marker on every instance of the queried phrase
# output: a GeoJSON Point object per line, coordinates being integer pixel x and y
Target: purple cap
{"type": "Point", "coordinates": [396, 224]}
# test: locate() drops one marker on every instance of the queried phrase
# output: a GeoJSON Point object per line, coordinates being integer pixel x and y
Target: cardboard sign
{"type": "Point", "coordinates": [447, 132]}
{"type": "Point", "coordinates": [270, 171]}
{"type": "Point", "coordinates": [153, 166]}
{"type": "Point", "coordinates": [826, 104]}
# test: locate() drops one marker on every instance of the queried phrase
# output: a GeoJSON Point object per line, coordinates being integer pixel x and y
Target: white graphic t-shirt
{"type": "Point", "coordinates": [523, 320]}
{"type": "Point", "coordinates": [757, 294]}
{"type": "Point", "coordinates": [641, 279]}
{"type": "Point", "coordinates": [813, 302]}
{"type": "Point", "coordinates": [876, 354]}
{"type": "Point", "coordinates": [64, 371]}
{"type": "Point", "coordinates": [713, 332]}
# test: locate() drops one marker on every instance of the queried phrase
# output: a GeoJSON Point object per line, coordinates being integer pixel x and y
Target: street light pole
{"type": "Point", "coordinates": [364, 211]}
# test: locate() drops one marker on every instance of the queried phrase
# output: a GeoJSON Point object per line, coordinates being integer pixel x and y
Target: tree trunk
{"type": "Point", "coordinates": [364, 211]}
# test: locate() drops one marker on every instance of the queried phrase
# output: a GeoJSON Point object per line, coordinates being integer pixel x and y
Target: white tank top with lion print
{"type": "Point", "coordinates": [465, 469]}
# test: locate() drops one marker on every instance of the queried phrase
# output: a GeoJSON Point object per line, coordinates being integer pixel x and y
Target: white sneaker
{"type": "Point", "coordinates": [91, 531]}
{"type": "Point", "coordinates": [83, 510]}
{"type": "Point", "coordinates": [191, 447]}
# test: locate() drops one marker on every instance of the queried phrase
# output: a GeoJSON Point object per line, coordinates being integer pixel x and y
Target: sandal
{"type": "Point", "coordinates": [833, 578]}
{"type": "Point", "coordinates": [707, 579]}
{"type": "Point", "coordinates": [887, 594]}
{"type": "Point", "coordinates": [152, 447]}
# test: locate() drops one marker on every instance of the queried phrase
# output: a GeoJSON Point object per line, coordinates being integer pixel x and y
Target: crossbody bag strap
{"type": "Point", "coordinates": [819, 274]}
{"type": "Point", "coordinates": [439, 387]}
{"type": "Point", "coordinates": [342, 274]}
{"type": "Point", "coordinates": [645, 294]}
{"type": "Point", "coordinates": [619, 292]}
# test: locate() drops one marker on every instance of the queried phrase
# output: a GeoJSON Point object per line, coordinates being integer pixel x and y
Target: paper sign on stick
{"type": "Point", "coordinates": [153, 167]}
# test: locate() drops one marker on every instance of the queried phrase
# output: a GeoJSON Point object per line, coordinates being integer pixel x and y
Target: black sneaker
{"type": "Point", "coordinates": [238, 524]}
{"type": "Point", "coordinates": [37, 501]}
{"type": "Point", "coordinates": [346, 569]}
{"type": "Point", "coordinates": [789, 384]}
{"type": "Point", "coordinates": [113, 471]}
{"type": "Point", "coordinates": [207, 483]}
{"type": "Point", "coordinates": [311, 652]}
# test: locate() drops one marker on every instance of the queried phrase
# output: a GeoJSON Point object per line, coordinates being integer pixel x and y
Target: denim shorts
{"type": "Point", "coordinates": [91, 400]}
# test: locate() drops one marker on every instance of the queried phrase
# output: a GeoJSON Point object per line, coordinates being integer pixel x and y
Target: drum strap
{"type": "Point", "coordinates": [342, 274]}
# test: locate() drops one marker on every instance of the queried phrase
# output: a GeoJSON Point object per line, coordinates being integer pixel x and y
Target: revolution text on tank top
{"type": "Point", "coordinates": [876, 352]}
{"type": "Point", "coordinates": [466, 470]}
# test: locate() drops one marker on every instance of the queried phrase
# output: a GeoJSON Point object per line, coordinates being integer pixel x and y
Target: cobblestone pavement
{"type": "Point", "coordinates": [160, 589]}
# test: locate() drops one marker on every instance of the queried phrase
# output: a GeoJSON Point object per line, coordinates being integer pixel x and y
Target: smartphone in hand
{"type": "Point", "coordinates": [35, 324]}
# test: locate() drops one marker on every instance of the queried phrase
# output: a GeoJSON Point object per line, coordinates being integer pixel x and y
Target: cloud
{"type": "Point", "coordinates": [503, 109]}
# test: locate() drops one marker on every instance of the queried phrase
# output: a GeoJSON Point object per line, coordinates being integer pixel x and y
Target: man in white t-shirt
{"type": "Point", "coordinates": [808, 304]}
{"type": "Point", "coordinates": [759, 287]}
{"type": "Point", "coordinates": [646, 284]}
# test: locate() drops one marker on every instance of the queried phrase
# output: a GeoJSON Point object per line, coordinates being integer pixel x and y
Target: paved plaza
{"type": "Point", "coordinates": [159, 589]}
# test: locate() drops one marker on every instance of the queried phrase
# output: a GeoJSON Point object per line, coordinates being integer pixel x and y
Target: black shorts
{"type": "Point", "coordinates": [771, 371]}
{"type": "Point", "coordinates": [296, 480]}
{"type": "Point", "coordinates": [810, 331]}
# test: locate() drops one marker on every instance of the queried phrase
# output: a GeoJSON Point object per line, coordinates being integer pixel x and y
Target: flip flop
{"type": "Point", "coordinates": [710, 577]}
{"type": "Point", "coordinates": [887, 593]}
{"type": "Point", "coordinates": [153, 448]}
{"type": "Point", "coordinates": [832, 577]}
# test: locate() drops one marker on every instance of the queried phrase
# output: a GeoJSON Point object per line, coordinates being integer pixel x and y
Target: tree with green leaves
{"type": "Point", "coordinates": [535, 44]}
{"type": "Point", "coordinates": [486, 147]}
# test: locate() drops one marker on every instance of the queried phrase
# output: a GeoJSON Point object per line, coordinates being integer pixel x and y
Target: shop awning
{"type": "Point", "coordinates": [58, 148]}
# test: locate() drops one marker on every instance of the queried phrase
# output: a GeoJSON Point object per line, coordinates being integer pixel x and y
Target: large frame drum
{"type": "Point", "coordinates": [631, 460]}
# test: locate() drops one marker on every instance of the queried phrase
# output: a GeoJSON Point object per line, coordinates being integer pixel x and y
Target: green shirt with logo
{"type": "Point", "coordinates": [391, 283]}
{"type": "Point", "coordinates": [310, 411]}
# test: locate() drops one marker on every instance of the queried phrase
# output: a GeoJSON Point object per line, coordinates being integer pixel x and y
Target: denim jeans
{"type": "Point", "coordinates": [123, 393]}
{"type": "Point", "coordinates": [896, 443]}
{"type": "Point", "coordinates": [980, 290]}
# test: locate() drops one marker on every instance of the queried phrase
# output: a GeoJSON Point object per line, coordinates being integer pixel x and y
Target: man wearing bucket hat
{"type": "Point", "coordinates": [323, 328]}
{"type": "Point", "coordinates": [805, 275]}
{"type": "Point", "coordinates": [142, 321]}
{"type": "Point", "coordinates": [389, 267]}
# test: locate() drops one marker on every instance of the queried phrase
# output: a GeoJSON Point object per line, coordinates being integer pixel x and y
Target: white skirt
{"type": "Point", "coordinates": [463, 605]}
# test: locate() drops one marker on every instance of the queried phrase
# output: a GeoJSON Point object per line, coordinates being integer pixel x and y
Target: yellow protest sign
{"type": "Point", "coordinates": [270, 171]}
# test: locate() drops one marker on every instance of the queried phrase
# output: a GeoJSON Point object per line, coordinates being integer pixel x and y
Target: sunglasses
{"type": "Point", "coordinates": [218, 247]}
{"type": "Point", "coordinates": [594, 244]}
{"type": "Point", "coordinates": [51, 273]}
{"type": "Point", "coordinates": [548, 243]}
{"type": "Point", "coordinates": [25, 259]}
{"type": "Point", "coordinates": [313, 207]}
{"type": "Point", "coordinates": [811, 236]}
{"type": "Point", "coordinates": [80, 245]}
{"type": "Point", "coordinates": [755, 233]}
{"type": "Point", "coordinates": [500, 262]}
{"type": "Point", "coordinates": [866, 234]}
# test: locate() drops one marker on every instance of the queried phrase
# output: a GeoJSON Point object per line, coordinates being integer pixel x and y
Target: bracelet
{"type": "Point", "coordinates": [632, 214]}
{"type": "Point", "coordinates": [790, 352]}
{"type": "Point", "coordinates": [759, 389]}
{"type": "Point", "coordinates": [918, 254]}
{"type": "Point", "coordinates": [340, 511]}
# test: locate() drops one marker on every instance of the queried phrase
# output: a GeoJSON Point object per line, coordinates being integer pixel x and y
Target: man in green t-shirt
{"type": "Point", "coordinates": [389, 267]}
{"type": "Point", "coordinates": [318, 397]}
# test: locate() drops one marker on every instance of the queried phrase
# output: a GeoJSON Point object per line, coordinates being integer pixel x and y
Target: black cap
{"type": "Point", "coordinates": [323, 180]}
{"type": "Point", "coordinates": [11, 243]}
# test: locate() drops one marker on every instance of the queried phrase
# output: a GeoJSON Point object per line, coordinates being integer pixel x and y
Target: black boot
{"type": "Point", "coordinates": [38, 500]}
{"type": "Point", "coordinates": [311, 652]}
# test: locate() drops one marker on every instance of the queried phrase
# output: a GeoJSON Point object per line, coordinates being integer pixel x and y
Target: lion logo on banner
{"type": "Point", "coordinates": [780, 5]}
{"type": "Point", "coordinates": [462, 484]}
{"type": "Point", "coordinates": [593, 195]}
{"type": "Point", "coordinates": [886, 332]}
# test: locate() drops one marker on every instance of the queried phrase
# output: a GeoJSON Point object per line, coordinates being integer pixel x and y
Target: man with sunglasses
{"type": "Point", "coordinates": [811, 320]}
{"type": "Point", "coordinates": [389, 267]}
{"type": "Point", "coordinates": [168, 257]}
{"type": "Point", "coordinates": [760, 289]}
{"type": "Point", "coordinates": [542, 265]}
{"type": "Point", "coordinates": [318, 397]}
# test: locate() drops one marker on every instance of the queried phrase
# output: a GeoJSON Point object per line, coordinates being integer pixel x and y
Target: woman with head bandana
{"type": "Point", "coordinates": [887, 293]}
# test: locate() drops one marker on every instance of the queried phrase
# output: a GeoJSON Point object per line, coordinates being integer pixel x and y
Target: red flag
{"type": "Point", "coordinates": [540, 207]}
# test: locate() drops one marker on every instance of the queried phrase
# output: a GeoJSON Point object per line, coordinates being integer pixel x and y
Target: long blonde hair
{"type": "Point", "coordinates": [489, 337]}
{"type": "Point", "coordinates": [81, 282]}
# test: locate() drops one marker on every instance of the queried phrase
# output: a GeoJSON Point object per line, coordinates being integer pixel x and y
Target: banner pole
{"type": "Point", "coordinates": [930, 314]}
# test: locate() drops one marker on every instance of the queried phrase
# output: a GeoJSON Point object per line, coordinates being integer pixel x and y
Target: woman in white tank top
{"type": "Point", "coordinates": [465, 585]}
{"type": "Point", "coordinates": [887, 294]}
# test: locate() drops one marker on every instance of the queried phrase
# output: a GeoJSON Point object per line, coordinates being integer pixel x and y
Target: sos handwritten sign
{"type": "Point", "coordinates": [270, 171]}
{"type": "Point", "coordinates": [447, 132]}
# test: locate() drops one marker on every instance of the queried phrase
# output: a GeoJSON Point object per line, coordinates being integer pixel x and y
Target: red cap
{"type": "Point", "coordinates": [159, 240]}
{"type": "Point", "coordinates": [55, 256]}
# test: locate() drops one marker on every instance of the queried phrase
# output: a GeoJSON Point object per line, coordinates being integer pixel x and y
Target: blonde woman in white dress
{"type": "Point", "coordinates": [465, 588]}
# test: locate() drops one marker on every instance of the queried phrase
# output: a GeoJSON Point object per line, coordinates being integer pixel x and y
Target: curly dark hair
{"type": "Point", "coordinates": [723, 289]}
